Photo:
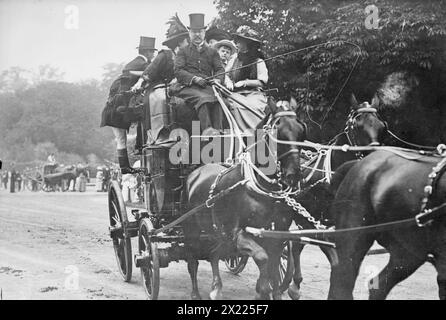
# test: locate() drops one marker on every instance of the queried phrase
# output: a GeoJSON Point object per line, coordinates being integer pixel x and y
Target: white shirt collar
{"type": "Point", "coordinates": [144, 57]}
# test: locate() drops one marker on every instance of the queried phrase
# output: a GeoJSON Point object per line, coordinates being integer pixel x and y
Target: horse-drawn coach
{"type": "Point", "coordinates": [238, 206]}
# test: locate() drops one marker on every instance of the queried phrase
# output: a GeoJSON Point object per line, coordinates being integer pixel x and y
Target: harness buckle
{"type": "Point", "coordinates": [441, 149]}
{"type": "Point", "coordinates": [419, 217]}
{"type": "Point", "coordinates": [209, 205]}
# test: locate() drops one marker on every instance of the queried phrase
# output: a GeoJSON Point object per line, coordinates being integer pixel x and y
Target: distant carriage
{"type": "Point", "coordinates": [50, 178]}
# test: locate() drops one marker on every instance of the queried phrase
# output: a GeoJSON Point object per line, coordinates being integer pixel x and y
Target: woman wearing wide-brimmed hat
{"type": "Point", "coordinates": [247, 75]}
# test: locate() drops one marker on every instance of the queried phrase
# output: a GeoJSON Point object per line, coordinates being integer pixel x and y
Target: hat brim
{"type": "Point", "coordinates": [236, 35]}
{"type": "Point", "coordinates": [175, 38]}
{"type": "Point", "coordinates": [223, 43]}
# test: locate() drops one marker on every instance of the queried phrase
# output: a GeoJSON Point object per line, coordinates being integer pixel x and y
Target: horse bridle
{"type": "Point", "coordinates": [351, 125]}
{"type": "Point", "coordinates": [271, 124]}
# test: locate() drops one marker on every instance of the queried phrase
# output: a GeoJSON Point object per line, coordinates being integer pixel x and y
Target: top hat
{"type": "Point", "coordinates": [146, 43]}
{"type": "Point", "coordinates": [247, 33]}
{"type": "Point", "coordinates": [176, 30]}
{"type": "Point", "coordinates": [196, 21]}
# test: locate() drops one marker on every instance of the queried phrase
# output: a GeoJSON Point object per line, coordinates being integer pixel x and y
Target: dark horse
{"type": "Point", "coordinates": [387, 186]}
{"type": "Point", "coordinates": [363, 127]}
{"type": "Point", "coordinates": [226, 220]}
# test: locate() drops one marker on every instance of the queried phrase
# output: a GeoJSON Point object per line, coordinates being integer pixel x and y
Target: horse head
{"type": "Point", "coordinates": [288, 129]}
{"type": "Point", "coordinates": [363, 126]}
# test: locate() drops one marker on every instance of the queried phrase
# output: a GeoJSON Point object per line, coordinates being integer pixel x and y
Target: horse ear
{"type": "Point", "coordinates": [293, 104]}
{"type": "Point", "coordinates": [375, 102]}
{"type": "Point", "coordinates": [353, 101]}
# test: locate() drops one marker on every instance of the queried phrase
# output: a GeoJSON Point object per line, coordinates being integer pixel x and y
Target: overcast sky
{"type": "Point", "coordinates": [38, 32]}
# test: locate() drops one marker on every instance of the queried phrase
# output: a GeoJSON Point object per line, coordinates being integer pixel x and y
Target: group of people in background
{"type": "Point", "coordinates": [194, 58]}
{"type": "Point", "coordinates": [31, 178]}
{"type": "Point", "coordinates": [12, 180]}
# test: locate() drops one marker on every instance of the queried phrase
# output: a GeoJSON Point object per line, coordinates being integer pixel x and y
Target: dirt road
{"type": "Point", "coordinates": [56, 246]}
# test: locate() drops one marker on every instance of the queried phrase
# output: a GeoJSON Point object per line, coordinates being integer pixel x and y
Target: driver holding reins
{"type": "Point", "coordinates": [195, 63]}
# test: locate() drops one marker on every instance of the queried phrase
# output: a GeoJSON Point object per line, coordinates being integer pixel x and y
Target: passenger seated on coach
{"type": "Point", "coordinates": [247, 81]}
{"type": "Point", "coordinates": [194, 65]}
{"type": "Point", "coordinates": [161, 71]}
{"type": "Point", "coordinates": [226, 50]}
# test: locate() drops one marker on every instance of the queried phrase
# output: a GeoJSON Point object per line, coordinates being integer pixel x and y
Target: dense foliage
{"type": "Point", "coordinates": [411, 37]}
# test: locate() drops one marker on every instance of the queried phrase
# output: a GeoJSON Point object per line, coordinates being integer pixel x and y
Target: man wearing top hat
{"type": "Point", "coordinates": [193, 65]}
{"type": "Point", "coordinates": [115, 114]}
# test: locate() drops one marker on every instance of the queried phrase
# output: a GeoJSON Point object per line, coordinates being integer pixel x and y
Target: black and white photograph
{"type": "Point", "coordinates": [233, 150]}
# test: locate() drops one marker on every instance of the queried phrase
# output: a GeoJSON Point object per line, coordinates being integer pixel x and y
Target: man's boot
{"type": "Point", "coordinates": [139, 143]}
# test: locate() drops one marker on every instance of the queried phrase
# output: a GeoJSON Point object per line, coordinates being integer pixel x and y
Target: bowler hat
{"type": "Point", "coordinates": [196, 21]}
{"type": "Point", "coordinates": [146, 43]}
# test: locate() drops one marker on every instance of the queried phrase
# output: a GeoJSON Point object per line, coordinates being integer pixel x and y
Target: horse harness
{"type": "Point", "coordinates": [427, 214]}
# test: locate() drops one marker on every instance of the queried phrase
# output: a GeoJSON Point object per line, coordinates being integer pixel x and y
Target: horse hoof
{"type": "Point", "coordinates": [294, 292]}
{"type": "Point", "coordinates": [216, 295]}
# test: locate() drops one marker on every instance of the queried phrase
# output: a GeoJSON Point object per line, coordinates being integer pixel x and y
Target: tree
{"type": "Point", "coordinates": [65, 114]}
{"type": "Point", "coordinates": [47, 73]}
{"type": "Point", "coordinates": [14, 79]}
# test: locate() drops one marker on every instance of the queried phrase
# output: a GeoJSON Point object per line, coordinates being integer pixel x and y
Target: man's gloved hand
{"type": "Point", "coordinates": [200, 81]}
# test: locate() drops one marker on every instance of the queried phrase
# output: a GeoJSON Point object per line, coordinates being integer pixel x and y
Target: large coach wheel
{"type": "Point", "coordinates": [236, 264]}
{"type": "Point", "coordinates": [118, 222]}
{"type": "Point", "coordinates": [286, 267]}
{"type": "Point", "coordinates": [150, 268]}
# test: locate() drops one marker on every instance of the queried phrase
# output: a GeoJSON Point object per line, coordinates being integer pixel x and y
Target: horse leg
{"type": "Point", "coordinates": [217, 284]}
{"type": "Point", "coordinates": [247, 246]}
{"type": "Point", "coordinates": [351, 252]}
{"type": "Point", "coordinates": [274, 251]}
{"type": "Point", "coordinates": [192, 267]}
{"type": "Point", "coordinates": [440, 265]}
{"type": "Point", "coordinates": [402, 264]}
{"type": "Point", "coordinates": [294, 289]}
